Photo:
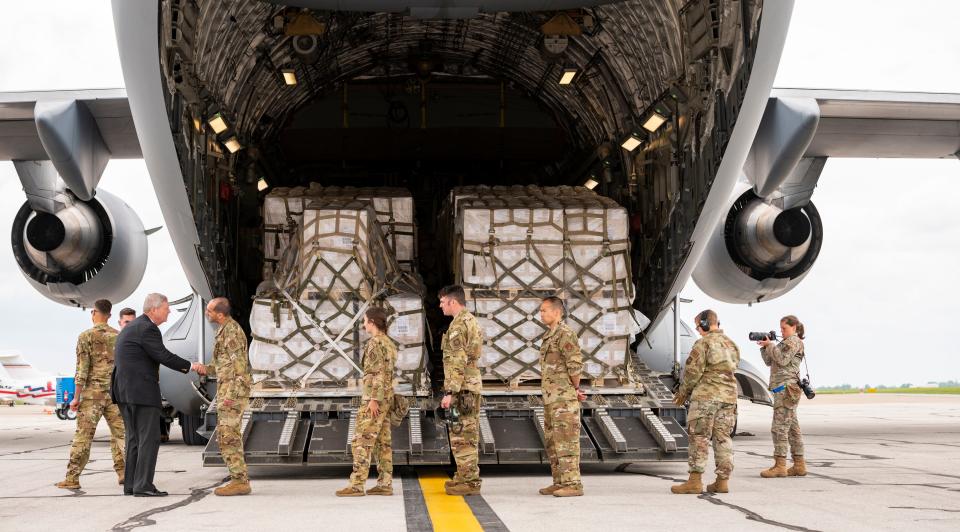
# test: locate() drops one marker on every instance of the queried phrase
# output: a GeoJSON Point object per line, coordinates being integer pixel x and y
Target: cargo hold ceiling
{"type": "Point", "coordinates": [626, 54]}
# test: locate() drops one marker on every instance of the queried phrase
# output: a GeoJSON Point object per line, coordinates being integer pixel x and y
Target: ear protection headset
{"type": "Point", "coordinates": [703, 323]}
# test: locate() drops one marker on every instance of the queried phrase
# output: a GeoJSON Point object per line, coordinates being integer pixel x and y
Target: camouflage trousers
{"type": "Point", "coordinates": [465, 445]}
{"type": "Point", "coordinates": [373, 438]}
{"type": "Point", "coordinates": [785, 427]}
{"type": "Point", "coordinates": [230, 439]}
{"type": "Point", "coordinates": [561, 429]}
{"type": "Point", "coordinates": [711, 421]}
{"type": "Point", "coordinates": [89, 413]}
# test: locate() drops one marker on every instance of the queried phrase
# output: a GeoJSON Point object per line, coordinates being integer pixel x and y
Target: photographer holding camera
{"type": "Point", "coordinates": [784, 359]}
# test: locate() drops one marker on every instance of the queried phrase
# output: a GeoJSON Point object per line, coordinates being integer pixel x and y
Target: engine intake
{"type": "Point", "coordinates": [760, 251]}
{"type": "Point", "coordinates": [88, 250]}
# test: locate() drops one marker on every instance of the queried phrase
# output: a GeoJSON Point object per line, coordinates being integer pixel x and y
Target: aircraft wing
{"type": "Point", "coordinates": [881, 124]}
{"type": "Point", "coordinates": [20, 141]}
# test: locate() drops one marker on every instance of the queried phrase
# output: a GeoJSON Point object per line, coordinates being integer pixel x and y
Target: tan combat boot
{"type": "Point", "coordinates": [68, 484]}
{"type": "Point", "coordinates": [380, 490]}
{"type": "Point", "coordinates": [350, 491]}
{"type": "Point", "coordinates": [718, 486]}
{"type": "Point", "coordinates": [234, 487]}
{"type": "Point", "coordinates": [448, 483]}
{"type": "Point", "coordinates": [120, 477]}
{"type": "Point", "coordinates": [569, 491]}
{"type": "Point", "coordinates": [779, 469]}
{"type": "Point", "coordinates": [463, 490]}
{"type": "Point", "coordinates": [550, 489]}
{"type": "Point", "coordinates": [693, 485]}
{"type": "Point", "coordinates": [799, 467]}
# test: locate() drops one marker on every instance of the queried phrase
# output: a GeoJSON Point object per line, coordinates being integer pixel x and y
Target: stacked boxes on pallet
{"type": "Point", "coordinates": [515, 245]}
{"type": "Point", "coordinates": [283, 214]}
{"type": "Point", "coordinates": [335, 262]}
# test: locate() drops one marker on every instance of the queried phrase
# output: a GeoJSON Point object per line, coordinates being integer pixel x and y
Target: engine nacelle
{"type": "Point", "coordinates": [759, 251]}
{"type": "Point", "coordinates": [88, 250]}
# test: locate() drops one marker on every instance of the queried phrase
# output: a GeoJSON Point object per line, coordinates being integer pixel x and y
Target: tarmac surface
{"type": "Point", "coordinates": [877, 462]}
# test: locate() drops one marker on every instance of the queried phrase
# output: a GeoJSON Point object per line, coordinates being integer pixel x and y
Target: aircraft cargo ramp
{"type": "Point", "coordinates": [338, 251]}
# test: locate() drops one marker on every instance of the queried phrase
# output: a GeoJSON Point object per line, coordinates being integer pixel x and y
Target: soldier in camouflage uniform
{"type": "Point", "coordinates": [372, 435]}
{"type": "Point", "coordinates": [709, 381]}
{"type": "Point", "coordinates": [461, 377]}
{"type": "Point", "coordinates": [231, 366]}
{"type": "Point", "coordinates": [561, 363]}
{"type": "Point", "coordinates": [784, 361]}
{"type": "Point", "coordinates": [92, 397]}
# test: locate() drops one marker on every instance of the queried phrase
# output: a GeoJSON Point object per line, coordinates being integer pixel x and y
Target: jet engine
{"type": "Point", "coordinates": [87, 250]}
{"type": "Point", "coordinates": [760, 250]}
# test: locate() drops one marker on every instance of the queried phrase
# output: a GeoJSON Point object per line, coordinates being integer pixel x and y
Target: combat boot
{"type": "Point", "coordinates": [693, 485]}
{"type": "Point", "coordinates": [550, 489]}
{"type": "Point", "coordinates": [120, 477]}
{"type": "Point", "coordinates": [718, 486]}
{"type": "Point", "coordinates": [799, 467]}
{"type": "Point", "coordinates": [448, 483]}
{"type": "Point", "coordinates": [380, 490]}
{"type": "Point", "coordinates": [234, 487]}
{"type": "Point", "coordinates": [350, 491]}
{"type": "Point", "coordinates": [68, 484]}
{"type": "Point", "coordinates": [569, 491]}
{"type": "Point", "coordinates": [463, 490]}
{"type": "Point", "coordinates": [779, 469]}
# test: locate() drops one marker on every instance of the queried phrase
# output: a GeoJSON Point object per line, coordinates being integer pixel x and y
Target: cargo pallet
{"type": "Point", "coordinates": [619, 425]}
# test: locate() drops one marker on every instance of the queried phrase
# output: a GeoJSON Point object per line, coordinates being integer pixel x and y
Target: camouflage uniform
{"type": "Point", "coordinates": [784, 361]}
{"type": "Point", "coordinates": [94, 368]}
{"type": "Point", "coordinates": [461, 350]}
{"type": "Point", "coordinates": [709, 381]}
{"type": "Point", "coordinates": [560, 359]}
{"type": "Point", "coordinates": [232, 369]}
{"type": "Point", "coordinates": [372, 436]}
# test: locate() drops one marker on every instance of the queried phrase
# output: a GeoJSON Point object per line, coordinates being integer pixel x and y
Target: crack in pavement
{"type": "Point", "coordinates": [751, 515]}
{"type": "Point", "coordinates": [35, 450]}
{"type": "Point", "coordinates": [622, 468]}
{"type": "Point", "coordinates": [844, 481]}
{"type": "Point", "coordinates": [864, 456]}
{"type": "Point", "coordinates": [916, 508]}
{"type": "Point", "coordinates": [143, 518]}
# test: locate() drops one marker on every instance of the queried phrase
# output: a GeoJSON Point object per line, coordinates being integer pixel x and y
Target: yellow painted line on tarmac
{"type": "Point", "coordinates": [448, 513]}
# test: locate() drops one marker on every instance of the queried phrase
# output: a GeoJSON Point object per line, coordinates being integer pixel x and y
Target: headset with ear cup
{"type": "Point", "coordinates": [703, 323]}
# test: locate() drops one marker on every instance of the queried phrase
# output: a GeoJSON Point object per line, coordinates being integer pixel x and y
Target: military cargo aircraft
{"type": "Point", "coordinates": [666, 107]}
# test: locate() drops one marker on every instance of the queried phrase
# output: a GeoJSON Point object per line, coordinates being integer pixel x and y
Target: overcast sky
{"type": "Point", "coordinates": [879, 304]}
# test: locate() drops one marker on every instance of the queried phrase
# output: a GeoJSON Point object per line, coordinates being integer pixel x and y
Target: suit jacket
{"type": "Point", "coordinates": [137, 359]}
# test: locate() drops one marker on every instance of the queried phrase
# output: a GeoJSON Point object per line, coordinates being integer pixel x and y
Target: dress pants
{"type": "Point", "coordinates": [142, 445]}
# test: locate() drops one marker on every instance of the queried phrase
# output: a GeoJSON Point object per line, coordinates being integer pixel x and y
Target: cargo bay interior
{"type": "Point", "coordinates": [632, 99]}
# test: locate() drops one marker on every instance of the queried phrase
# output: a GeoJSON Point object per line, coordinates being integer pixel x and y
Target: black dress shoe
{"type": "Point", "coordinates": [151, 493]}
{"type": "Point", "coordinates": [125, 492]}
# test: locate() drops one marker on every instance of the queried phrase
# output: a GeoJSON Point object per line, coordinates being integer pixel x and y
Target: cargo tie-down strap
{"type": "Point", "coordinates": [580, 284]}
{"type": "Point", "coordinates": [363, 278]}
{"type": "Point", "coordinates": [280, 227]}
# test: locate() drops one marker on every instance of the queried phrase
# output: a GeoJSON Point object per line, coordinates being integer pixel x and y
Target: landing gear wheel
{"type": "Point", "coordinates": [61, 414]}
{"type": "Point", "coordinates": [189, 426]}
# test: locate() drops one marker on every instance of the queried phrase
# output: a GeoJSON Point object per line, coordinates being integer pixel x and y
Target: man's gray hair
{"type": "Point", "coordinates": [153, 301]}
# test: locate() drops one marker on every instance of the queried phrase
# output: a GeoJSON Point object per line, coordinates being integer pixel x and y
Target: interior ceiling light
{"type": "Point", "coordinates": [591, 183]}
{"type": "Point", "coordinates": [289, 76]}
{"type": "Point", "coordinates": [568, 74]}
{"type": "Point", "coordinates": [232, 144]}
{"type": "Point", "coordinates": [632, 141]}
{"type": "Point", "coordinates": [218, 123]}
{"type": "Point", "coordinates": [262, 184]}
{"type": "Point", "coordinates": [654, 121]}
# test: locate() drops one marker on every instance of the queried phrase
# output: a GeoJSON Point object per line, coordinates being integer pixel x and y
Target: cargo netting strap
{"type": "Point", "coordinates": [588, 282]}
{"type": "Point", "coordinates": [586, 328]}
{"type": "Point", "coordinates": [374, 278]}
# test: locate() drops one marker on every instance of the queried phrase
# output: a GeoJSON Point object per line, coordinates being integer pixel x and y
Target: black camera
{"type": "Point", "coordinates": [761, 336]}
{"type": "Point", "coordinates": [807, 389]}
{"type": "Point", "coordinates": [450, 416]}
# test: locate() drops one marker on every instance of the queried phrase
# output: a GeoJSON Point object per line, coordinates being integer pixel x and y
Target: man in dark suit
{"type": "Point", "coordinates": [136, 388]}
